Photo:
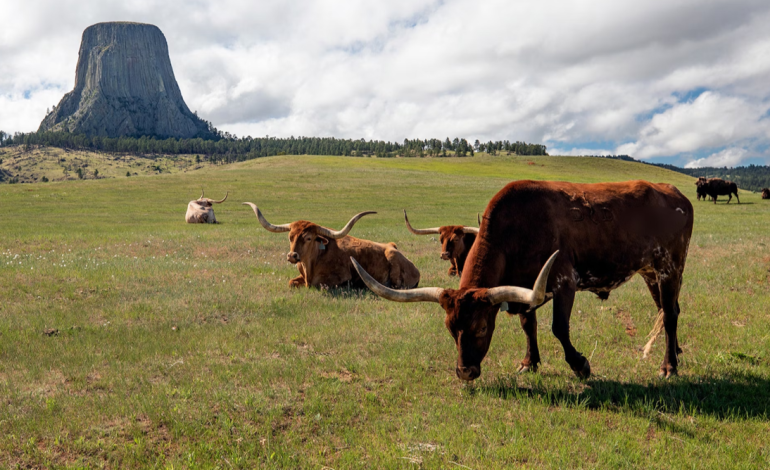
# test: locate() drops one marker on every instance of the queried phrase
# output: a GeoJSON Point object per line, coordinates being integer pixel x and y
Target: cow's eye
{"type": "Point", "coordinates": [482, 331]}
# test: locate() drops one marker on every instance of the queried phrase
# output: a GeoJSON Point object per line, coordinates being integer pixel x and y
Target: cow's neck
{"type": "Point", "coordinates": [484, 266]}
{"type": "Point", "coordinates": [311, 266]}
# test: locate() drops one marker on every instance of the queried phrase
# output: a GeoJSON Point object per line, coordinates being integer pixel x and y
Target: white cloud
{"type": "Point", "coordinates": [727, 157]}
{"type": "Point", "coordinates": [572, 75]}
{"type": "Point", "coordinates": [710, 121]}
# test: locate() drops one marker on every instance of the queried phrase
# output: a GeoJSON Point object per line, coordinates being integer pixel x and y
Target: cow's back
{"type": "Point", "coordinates": [600, 227]}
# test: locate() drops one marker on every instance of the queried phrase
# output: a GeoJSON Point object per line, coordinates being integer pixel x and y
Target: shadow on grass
{"type": "Point", "coordinates": [729, 396]}
{"type": "Point", "coordinates": [348, 292]}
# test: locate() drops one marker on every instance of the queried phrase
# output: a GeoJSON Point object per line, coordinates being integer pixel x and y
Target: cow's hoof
{"type": "Point", "coordinates": [527, 368]}
{"type": "Point", "coordinates": [667, 372]}
{"type": "Point", "coordinates": [452, 272]}
{"type": "Point", "coordinates": [585, 371]}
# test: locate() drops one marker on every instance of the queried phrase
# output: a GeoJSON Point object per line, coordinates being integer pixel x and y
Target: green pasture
{"type": "Point", "coordinates": [181, 346]}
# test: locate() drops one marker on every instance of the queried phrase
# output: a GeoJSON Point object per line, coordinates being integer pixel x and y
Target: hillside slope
{"type": "Point", "coordinates": [55, 164]}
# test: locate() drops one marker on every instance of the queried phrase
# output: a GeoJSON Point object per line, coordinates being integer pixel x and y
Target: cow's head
{"type": "Point", "coordinates": [206, 202]}
{"type": "Point", "coordinates": [701, 181]}
{"type": "Point", "coordinates": [452, 237]}
{"type": "Point", "coordinates": [308, 240]}
{"type": "Point", "coordinates": [470, 312]}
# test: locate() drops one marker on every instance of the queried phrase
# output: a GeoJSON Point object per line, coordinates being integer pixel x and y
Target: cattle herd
{"type": "Point", "coordinates": [558, 237]}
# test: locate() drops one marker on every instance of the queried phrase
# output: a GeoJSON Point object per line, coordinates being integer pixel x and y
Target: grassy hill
{"type": "Point", "coordinates": [55, 164]}
{"type": "Point", "coordinates": [182, 346]}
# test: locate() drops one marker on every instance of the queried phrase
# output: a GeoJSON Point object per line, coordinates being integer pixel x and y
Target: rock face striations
{"type": "Point", "coordinates": [125, 86]}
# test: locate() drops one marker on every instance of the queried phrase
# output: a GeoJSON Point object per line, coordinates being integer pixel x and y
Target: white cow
{"type": "Point", "coordinates": [200, 211]}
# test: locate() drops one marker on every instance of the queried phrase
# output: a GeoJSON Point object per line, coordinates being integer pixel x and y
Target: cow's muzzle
{"type": "Point", "coordinates": [445, 256]}
{"type": "Point", "coordinates": [468, 373]}
{"type": "Point", "coordinates": [292, 257]}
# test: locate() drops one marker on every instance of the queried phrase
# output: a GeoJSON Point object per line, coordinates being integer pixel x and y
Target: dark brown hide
{"type": "Point", "coordinates": [455, 245]}
{"type": "Point", "coordinates": [715, 187]}
{"type": "Point", "coordinates": [331, 266]}
{"type": "Point", "coordinates": [700, 188]}
{"type": "Point", "coordinates": [766, 193]}
{"type": "Point", "coordinates": [605, 233]}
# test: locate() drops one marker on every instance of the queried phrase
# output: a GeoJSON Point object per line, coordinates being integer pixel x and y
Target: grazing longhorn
{"type": "Point", "coordinates": [715, 187]}
{"type": "Point", "coordinates": [766, 193]}
{"type": "Point", "coordinates": [200, 211]}
{"type": "Point", "coordinates": [323, 256]}
{"type": "Point", "coordinates": [563, 238]}
{"type": "Point", "coordinates": [456, 242]}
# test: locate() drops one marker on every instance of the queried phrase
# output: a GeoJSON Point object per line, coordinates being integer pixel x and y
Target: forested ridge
{"type": "Point", "coordinates": [227, 148]}
{"type": "Point", "coordinates": [752, 177]}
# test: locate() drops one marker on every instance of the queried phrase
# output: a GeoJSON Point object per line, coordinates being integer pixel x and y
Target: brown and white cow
{"type": "Point", "coordinates": [456, 242]}
{"type": "Point", "coordinates": [715, 187]}
{"type": "Point", "coordinates": [766, 193]}
{"type": "Point", "coordinates": [323, 256]}
{"type": "Point", "coordinates": [592, 237]}
{"type": "Point", "coordinates": [200, 211]}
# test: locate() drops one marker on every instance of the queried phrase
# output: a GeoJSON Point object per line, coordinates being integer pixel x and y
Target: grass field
{"type": "Point", "coordinates": [181, 346]}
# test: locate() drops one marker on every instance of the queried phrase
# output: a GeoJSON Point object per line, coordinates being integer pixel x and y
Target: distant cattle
{"type": "Point", "coordinates": [715, 187]}
{"type": "Point", "coordinates": [200, 211]}
{"type": "Point", "coordinates": [766, 193]}
{"type": "Point", "coordinates": [456, 242]}
{"type": "Point", "coordinates": [590, 237]}
{"type": "Point", "coordinates": [700, 188]}
{"type": "Point", "coordinates": [323, 256]}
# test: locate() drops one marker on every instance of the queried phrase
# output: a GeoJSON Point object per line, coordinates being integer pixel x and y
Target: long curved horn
{"type": "Point", "coordinates": [223, 200]}
{"type": "Point", "coordinates": [471, 230]}
{"type": "Point", "coordinates": [536, 296]}
{"type": "Point", "coordinates": [201, 194]}
{"type": "Point", "coordinates": [423, 294]}
{"type": "Point", "coordinates": [478, 218]}
{"type": "Point", "coordinates": [417, 231]}
{"type": "Point", "coordinates": [341, 233]}
{"type": "Point", "coordinates": [270, 227]}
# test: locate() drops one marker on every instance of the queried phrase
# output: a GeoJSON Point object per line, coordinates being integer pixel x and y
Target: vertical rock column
{"type": "Point", "coordinates": [125, 86]}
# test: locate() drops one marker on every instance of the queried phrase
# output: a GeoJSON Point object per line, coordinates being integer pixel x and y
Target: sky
{"type": "Point", "coordinates": [685, 82]}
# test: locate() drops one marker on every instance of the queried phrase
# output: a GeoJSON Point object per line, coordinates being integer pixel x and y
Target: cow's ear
{"type": "Point", "coordinates": [322, 240]}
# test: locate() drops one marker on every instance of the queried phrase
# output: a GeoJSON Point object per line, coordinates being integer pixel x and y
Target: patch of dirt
{"type": "Point", "coordinates": [625, 319]}
{"type": "Point", "coordinates": [343, 375]}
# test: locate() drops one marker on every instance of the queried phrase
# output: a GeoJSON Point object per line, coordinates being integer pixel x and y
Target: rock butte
{"type": "Point", "coordinates": [125, 86]}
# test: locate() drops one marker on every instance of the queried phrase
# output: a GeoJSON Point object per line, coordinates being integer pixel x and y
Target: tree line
{"type": "Point", "coordinates": [226, 148]}
{"type": "Point", "coordinates": [752, 177]}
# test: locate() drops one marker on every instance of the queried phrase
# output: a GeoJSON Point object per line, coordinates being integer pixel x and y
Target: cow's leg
{"type": "Point", "coordinates": [669, 297]}
{"type": "Point", "coordinates": [651, 279]}
{"type": "Point", "coordinates": [398, 269]}
{"type": "Point", "coordinates": [452, 267]}
{"type": "Point", "coordinates": [736, 197]}
{"type": "Point", "coordinates": [562, 310]}
{"type": "Point", "coordinates": [529, 325]}
{"type": "Point", "coordinates": [729, 197]}
{"type": "Point", "coordinates": [715, 198]}
{"type": "Point", "coordinates": [299, 281]}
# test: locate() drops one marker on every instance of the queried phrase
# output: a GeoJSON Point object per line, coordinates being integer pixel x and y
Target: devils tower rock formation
{"type": "Point", "coordinates": [124, 86]}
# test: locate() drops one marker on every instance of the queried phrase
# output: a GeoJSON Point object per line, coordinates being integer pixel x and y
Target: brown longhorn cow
{"type": "Point", "coordinates": [766, 193]}
{"type": "Point", "coordinates": [597, 237]}
{"type": "Point", "coordinates": [456, 242]}
{"type": "Point", "coordinates": [323, 256]}
{"type": "Point", "coordinates": [200, 211]}
{"type": "Point", "coordinates": [715, 187]}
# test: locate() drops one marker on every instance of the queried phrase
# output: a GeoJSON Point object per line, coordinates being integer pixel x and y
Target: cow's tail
{"type": "Point", "coordinates": [657, 329]}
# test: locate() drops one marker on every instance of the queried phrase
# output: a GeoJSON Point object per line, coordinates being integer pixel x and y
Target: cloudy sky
{"type": "Point", "coordinates": [679, 81]}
